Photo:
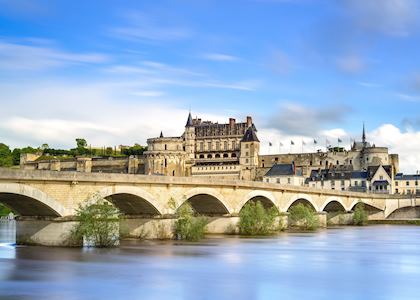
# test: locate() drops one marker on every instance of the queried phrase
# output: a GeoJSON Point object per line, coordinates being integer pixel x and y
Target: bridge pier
{"type": "Point", "coordinates": [341, 218]}
{"type": "Point", "coordinates": [44, 231]}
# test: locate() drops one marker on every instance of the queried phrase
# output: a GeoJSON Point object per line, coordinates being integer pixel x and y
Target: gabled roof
{"type": "Point", "coordinates": [373, 169]}
{"type": "Point", "coordinates": [250, 135]}
{"type": "Point", "coordinates": [281, 169]}
{"type": "Point", "coordinates": [359, 175]}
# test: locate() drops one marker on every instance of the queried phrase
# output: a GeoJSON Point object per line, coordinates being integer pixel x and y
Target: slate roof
{"type": "Point", "coordinates": [373, 169]}
{"type": "Point", "coordinates": [281, 170]}
{"type": "Point", "coordinates": [401, 176]}
{"type": "Point", "coordinates": [250, 135]}
{"type": "Point", "coordinates": [189, 121]}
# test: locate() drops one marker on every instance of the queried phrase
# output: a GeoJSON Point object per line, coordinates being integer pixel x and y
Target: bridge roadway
{"type": "Point", "coordinates": [53, 197]}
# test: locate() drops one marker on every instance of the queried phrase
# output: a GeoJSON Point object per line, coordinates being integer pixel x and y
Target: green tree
{"type": "Point", "coordinates": [6, 158]}
{"type": "Point", "coordinates": [254, 219]}
{"type": "Point", "coordinates": [98, 223]}
{"type": "Point", "coordinates": [303, 217]}
{"type": "Point", "coordinates": [81, 143]}
{"type": "Point", "coordinates": [188, 226]}
{"type": "Point", "coordinates": [360, 215]}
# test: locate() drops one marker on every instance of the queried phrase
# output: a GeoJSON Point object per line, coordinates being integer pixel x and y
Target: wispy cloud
{"type": "Point", "coordinates": [40, 56]}
{"type": "Point", "coordinates": [369, 84]}
{"type": "Point", "coordinates": [143, 28]}
{"type": "Point", "coordinates": [219, 57]}
{"type": "Point", "coordinates": [391, 17]}
{"type": "Point", "coordinates": [296, 119]}
{"type": "Point", "coordinates": [350, 64]}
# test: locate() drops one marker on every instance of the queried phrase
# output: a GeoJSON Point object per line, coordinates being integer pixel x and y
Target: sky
{"type": "Point", "coordinates": [119, 72]}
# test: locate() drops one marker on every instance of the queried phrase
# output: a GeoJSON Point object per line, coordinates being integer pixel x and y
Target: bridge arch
{"type": "Point", "coordinates": [206, 201]}
{"type": "Point", "coordinates": [369, 204]}
{"type": "Point", "coordinates": [131, 200]}
{"type": "Point", "coordinates": [333, 204]}
{"type": "Point", "coordinates": [267, 199]}
{"type": "Point", "coordinates": [30, 201]}
{"type": "Point", "coordinates": [301, 198]}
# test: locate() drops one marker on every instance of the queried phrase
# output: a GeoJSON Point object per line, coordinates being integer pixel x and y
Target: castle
{"type": "Point", "coordinates": [230, 151]}
{"type": "Point", "coordinates": [206, 149]}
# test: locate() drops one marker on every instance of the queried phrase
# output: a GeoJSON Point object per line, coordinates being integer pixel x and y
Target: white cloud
{"type": "Point", "coordinates": [404, 142]}
{"type": "Point", "coordinates": [40, 56]}
{"type": "Point", "coordinates": [219, 57]}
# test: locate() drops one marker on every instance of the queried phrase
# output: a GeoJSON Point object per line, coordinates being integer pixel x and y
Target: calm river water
{"type": "Point", "coordinates": [377, 262]}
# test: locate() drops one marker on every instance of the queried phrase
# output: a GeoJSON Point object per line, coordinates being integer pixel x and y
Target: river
{"type": "Point", "coordinates": [375, 262]}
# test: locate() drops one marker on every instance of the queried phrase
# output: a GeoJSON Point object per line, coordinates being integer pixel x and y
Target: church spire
{"type": "Point", "coordinates": [161, 134]}
{"type": "Point", "coordinates": [364, 134]}
{"type": "Point", "coordinates": [189, 121]}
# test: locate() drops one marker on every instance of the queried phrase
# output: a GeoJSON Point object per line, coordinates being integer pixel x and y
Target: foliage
{"type": "Point", "coordinates": [81, 143]}
{"type": "Point", "coordinates": [98, 223]}
{"type": "Point", "coordinates": [360, 215]}
{"type": "Point", "coordinates": [4, 210]}
{"type": "Point", "coordinates": [134, 150]}
{"type": "Point", "coordinates": [303, 217]}
{"type": "Point", "coordinates": [187, 226]}
{"type": "Point", "coordinates": [6, 159]}
{"type": "Point", "coordinates": [254, 219]}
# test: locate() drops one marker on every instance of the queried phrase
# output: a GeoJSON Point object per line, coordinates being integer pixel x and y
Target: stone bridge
{"type": "Point", "coordinates": [44, 198]}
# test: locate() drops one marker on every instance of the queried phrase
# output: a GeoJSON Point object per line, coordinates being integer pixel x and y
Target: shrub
{"type": "Point", "coordinates": [303, 217]}
{"type": "Point", "coordinates": [254, 219]}
{"type": "Point", "coordinates": [360, 215]}
{"type": "Point", "coordinates": [187, 226]}
{"type": "Point", "coordinates": [98, 223]}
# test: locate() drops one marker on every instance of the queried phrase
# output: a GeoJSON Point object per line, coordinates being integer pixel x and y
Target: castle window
{"type": "Point", "coordinates": [247, 160]}
{"type": "Point", "coordinates": [217, 146]}
{"type": "Point", "coordinates": [209, 146]}
{"type": "Point", "coordinates": [225, 145]}
{"type": "Point", "coordinates": [233, 154]}
{"type": "Point", "coordinates": [201, 155]}
{"type": "Point", "coordinates": [217, 155]}
{"type": "Point", "coordinates": [310, 163]}
{"type": "Point", "coordinates": [396, 183]}
{"type": "Point", "coordinates": [326, 163]}
{"type": "Point", "coordinates": [278, 180]}
{"type": "Point", "coordinates": [407, 183]}
{"type": "Point", "coordinates": [351, 162]}
{"type": "Point", "coordinates": [201, 146]}
{"type": "Point", "coordinates": [247, 153]}
{"type": "Point", "coordinates": [225, 155]}
{"type": "Point", "coordinates": [416, 183]}
{"type": "Point", "coordinates": [247, 146]}
{"type": "Point", "coordinates": [166, 147]}
{"type": "Point", "coordinates": [209, 156]}
{"type": "Point", "coordinates": [338, 162]}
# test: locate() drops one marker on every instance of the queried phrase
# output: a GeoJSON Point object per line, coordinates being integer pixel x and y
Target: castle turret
{"type": "Point", "coordinates": [189, 137]}
{"type": "Point", "coordinates": [250, 149]}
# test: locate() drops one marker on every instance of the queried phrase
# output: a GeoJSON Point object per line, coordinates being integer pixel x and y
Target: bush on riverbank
{"type": "Point", "coordinates": [254, 219]}
{"type": "Point", "coordinates": [188, 226]}
{"type": "Point", "coordinates": [360, 215]}
{"type": "Point", "coordinates": [98, 223]}
{"type": "Point", "coordinates": [303, 217]}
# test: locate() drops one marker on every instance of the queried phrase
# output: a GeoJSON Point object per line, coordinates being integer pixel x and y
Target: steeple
{"type": "Point", "coordinates": [189, 121]}
{"type": "Point", "coordinates": [364, 134]}
{"type": "Point", "coordinates": [161, 134]}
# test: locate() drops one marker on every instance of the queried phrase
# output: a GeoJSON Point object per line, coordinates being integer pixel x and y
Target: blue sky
{"type": "Point", "coordinates": [119, 72]}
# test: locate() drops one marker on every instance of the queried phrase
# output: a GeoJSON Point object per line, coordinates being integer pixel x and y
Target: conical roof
{"type": "Point", "coordinates": [250, 135]}
{"type": "Point", "coordinates": [189, 121]}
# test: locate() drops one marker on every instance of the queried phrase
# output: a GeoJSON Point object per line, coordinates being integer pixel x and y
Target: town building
{"type": "Point", "coordinates": [407, 184]}
{"type": "Point", "coordinates": [286, 174]}
{"type": "Point", "coordinates": [375, 179]}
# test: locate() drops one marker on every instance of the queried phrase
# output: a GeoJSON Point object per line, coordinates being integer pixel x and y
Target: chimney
{"type": "Point", "coordinates": [232, 122]}
{"type": "Point", "coordinates": [248, 121]}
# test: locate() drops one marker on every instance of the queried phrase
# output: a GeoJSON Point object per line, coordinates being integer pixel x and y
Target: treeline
{"type": "Point", "coordinates": [9, 157]}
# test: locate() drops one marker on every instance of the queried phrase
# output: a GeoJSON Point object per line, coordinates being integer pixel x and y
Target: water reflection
{"type": "Point", "coordinates": [378, 262]}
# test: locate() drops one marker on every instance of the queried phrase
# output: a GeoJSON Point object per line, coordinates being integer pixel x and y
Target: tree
{"type": "Point", "coordinates": [360, 215]}
{"type": "Point", "coordinates": [187, 226]}
{"type": "Point", "coordinates": [98, 223]}
{"type": "Point", "coordinates": [45, 146]}
{"type": "Point", "coordinates": [81, 143]}
{"type": "Point", "coordinates": [6, 158]}
{"type": "Point", "coordinates": [254, 219]}
{"type": "Point", "coordinates": [303, 217]}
